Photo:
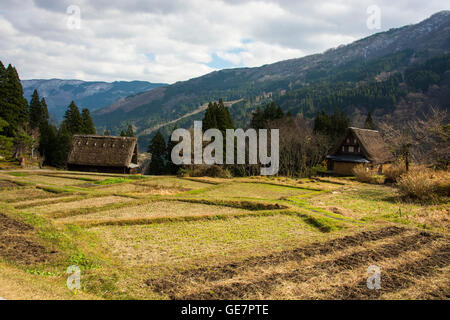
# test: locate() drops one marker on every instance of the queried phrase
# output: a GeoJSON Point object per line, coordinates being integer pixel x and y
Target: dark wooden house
{"type": "Point", "coordinates": [103, 154]}
{"type": "Point", "coordinates": [359, 146]}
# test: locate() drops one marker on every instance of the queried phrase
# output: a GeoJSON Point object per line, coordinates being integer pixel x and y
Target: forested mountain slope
{"type": "Point", "coordinates": [369, 74]}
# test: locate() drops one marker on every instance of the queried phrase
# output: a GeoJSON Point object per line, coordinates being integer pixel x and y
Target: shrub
{"type": "Point", "coordinates": [214, 171]}
{"type": "Point", "coordinates": [367, 175]}
{"type": "Point", "coordinates": [362, 173]}
{"type": "Point", "coordinates": [424, 184]}
{"type": "Point", "coordinates": [394, 172]}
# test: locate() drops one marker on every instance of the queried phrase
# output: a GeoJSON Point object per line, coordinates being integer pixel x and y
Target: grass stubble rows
{"type": "Point", "coordinates": [201, 238]}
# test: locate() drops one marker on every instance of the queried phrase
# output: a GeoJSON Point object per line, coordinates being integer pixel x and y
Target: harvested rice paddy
{"type": "Point", "coordinates": [164, 237]}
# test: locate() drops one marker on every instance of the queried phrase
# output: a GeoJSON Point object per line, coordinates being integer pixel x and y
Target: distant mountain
{"type": "Point", "coordinates": [293, 83]}
{"type": "Point", "coordinates": [86, 94]}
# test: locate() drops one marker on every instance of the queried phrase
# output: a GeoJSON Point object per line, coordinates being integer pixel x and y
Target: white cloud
{"type": "Point", "coordinates": [168, 41]}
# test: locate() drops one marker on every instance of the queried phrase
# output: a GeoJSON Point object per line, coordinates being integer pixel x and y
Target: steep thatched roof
{"type": "Point", "coordinates": [105, 151]}
{"type": "Point", "coordinates": [372, 145]}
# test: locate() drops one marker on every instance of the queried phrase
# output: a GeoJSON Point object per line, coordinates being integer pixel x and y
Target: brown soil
{"type": "Point", "coordinates": [239, 290]}
{"type": "Point", "coordinates": [401, 278]}
{"type": "Point", "coordinates": [4, 184]}
{"type": "Point", "coordinates": [16, 242]}
{"type": "Point", "coordinates": [170, 285]}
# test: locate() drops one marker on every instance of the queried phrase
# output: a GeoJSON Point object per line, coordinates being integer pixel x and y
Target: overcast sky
{"type": "Point", "coordinates": [172, 40]}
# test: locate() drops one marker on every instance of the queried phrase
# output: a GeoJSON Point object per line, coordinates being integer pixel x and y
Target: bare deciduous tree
{"type": "Point", "coordinates": [300, 148]}
{"type": "Point", "coordinates": [423, 140]}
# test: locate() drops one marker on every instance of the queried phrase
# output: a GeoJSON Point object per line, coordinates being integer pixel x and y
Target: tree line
{"type": "Point", "coordinates": [25, 127]}
{"type": "Point", "coordinates": [216, 116]}
{"type": "Point", "coordinates": [303, 144]}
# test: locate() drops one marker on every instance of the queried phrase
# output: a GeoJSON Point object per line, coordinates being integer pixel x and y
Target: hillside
{"type": "Point", "coordinates": [86, 94]}
{"type": "Point", "coordinates": [374, 58]}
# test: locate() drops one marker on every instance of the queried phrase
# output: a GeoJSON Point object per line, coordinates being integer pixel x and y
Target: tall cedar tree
{"type": "Point", "coordinates": [122, 133]}
{"type": "Point", "coordinates": [64, 143]}
{"type": "Point", "coordinates": [45, 109]}
{"type": "Point", "coordinates": [13, 106]}
{"type": "Point", "coordinates": [88, 124]}
{"type": "Point", "coordinates": [209, 119]}
{"type": "Point", "coordinates": [224, 120]}
{"type": "Point", "coordinates": [333, 126]}
{"type": "Point", "coordinates": [261, 118]}
{"type": "Point", "coordinates": [72, 119]}
{"type": "Point", "coordinates": [3, 97]}
{"type": "Point", "coordinates": [48, 142]}
{"type": "Point", "coordinates": [37, 112]}
{"type": "Point", "coordinates": [369, 124]}
{"type": "Point", "coordinates": [157, 150]}
{"type": "Point", "coordinates": [129, 132]}
{"type": "Point", "coordinates": [217, 116]}
{"type": "Point", "coordinates": [6, 143]}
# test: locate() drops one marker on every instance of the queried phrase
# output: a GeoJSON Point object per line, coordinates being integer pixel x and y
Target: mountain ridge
{"type": "Point", "coordinates": [86, 94]}
{"type": "Point", "coordinates": [161, 105]}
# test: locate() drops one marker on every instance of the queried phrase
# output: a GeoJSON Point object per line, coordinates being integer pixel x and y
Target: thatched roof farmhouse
{"type": "Point", "coordinates": [359, 146]}
{"type": "Point", "coordinates": [103, 154]}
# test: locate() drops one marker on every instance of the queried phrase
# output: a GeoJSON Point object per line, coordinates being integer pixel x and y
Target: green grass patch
{"type": "Point", "coordinates": [18, 174]}
{"type": "Point", "coordinates": [113, 181]}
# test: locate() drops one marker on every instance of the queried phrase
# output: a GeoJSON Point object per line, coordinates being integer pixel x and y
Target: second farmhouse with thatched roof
{"type": "Point", "coordinates": [103, 154]}
{"type": "Point", "coordinates": [359, 146]}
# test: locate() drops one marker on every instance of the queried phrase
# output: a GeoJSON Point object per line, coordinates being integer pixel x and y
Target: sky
{"type": "Point", "coordinates": [175, 40]}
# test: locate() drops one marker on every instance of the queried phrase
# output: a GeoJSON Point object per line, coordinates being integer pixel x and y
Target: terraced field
{"type": "Point", "coordinates": [186, 238]}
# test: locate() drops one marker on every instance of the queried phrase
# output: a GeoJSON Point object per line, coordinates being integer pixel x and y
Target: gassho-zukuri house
{"type": "Point", "coordinates": [108, 154]}
{"type": "Point", "coordinates": [359, 146]}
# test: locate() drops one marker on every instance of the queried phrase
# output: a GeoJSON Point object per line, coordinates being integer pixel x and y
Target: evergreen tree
{"type": "Point", "coordinates": [122, 133]}
{"type": "Point", "coordinates": [88, 124]}
{"type": "Point", "coordinates": [157, 149]}
{"type": "Point", "coordinates": [217, 116]}
{"type": "Point", "coordinates": [333, 126]}
{"type": "Point", "coordinates": [209, 119]}
{"type": "Point", "coordinates": [37, 113]}
{"type": "Point", "coordinates": [223, 117]}
{"type": "Point", "coordinates": [64, 143]}
{"type": "Point", "coordinates": [13, 106]}
{"type": "Point", "coordinates": [6, 143]}
{"type": "Point", "coordinates": [258, 121]}
{"type": "Point", "coordinates": [3, 101]}
{"type": "Point", "coordinates": [129, 132]}
{"type": "Point", "coordinates": [72, 119]}
{"type": "Point", "coordinates": [106, 133]}
{"type": "Point", "coordinates": [45, 109]}
{"type": "Point", "coordinates": [261, 118]}
{"type": "Point", "coordinates": [369, 124]}
{"type": "Point", "coordinates": [48, 143]}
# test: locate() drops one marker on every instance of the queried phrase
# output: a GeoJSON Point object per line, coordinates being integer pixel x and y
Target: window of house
{"type": "Point", "coordinates": [343, 148]}
{"type": "Point", "coordinates": [351, 149]}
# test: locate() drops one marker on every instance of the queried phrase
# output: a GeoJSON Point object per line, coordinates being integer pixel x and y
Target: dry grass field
{"type": "Point", "coordinates": [146, 237]}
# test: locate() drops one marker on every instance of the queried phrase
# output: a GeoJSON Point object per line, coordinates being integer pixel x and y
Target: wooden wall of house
{"type": "Point", "coordinates": [344, 168]}
{"type": "Point", "coordinates": [350, 145]}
